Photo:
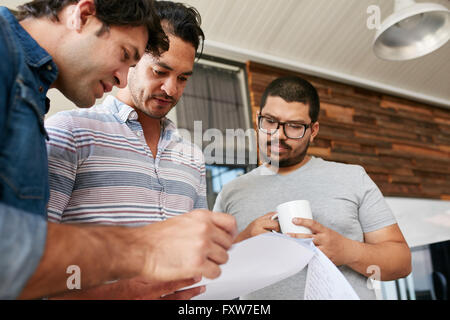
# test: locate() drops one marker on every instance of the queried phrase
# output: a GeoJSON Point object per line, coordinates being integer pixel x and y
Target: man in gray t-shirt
{"type": "Point", "coordinates": [352, 223]}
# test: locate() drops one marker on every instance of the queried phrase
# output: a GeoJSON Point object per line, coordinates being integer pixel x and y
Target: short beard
{"type": "Point", "coordinates": [287, 162]}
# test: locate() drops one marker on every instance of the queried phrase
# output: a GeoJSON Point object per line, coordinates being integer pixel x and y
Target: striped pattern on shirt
{"type": "Point", "coordinates": [102, 171]}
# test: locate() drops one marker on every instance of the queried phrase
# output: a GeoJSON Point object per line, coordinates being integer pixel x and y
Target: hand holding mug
{"type": "Point", "coordinates": [288, 211]}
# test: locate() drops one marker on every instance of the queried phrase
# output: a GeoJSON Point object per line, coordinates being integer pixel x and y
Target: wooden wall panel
{"type": "Point", "coordinates": [403, 145]}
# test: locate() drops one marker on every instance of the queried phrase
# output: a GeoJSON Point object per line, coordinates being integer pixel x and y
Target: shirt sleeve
{"type": "Point", "coordinates": [218, 203]}
{"type": "Point", "coordinates": [62, 163]}
{"type": "Point", "coordinates": [374, 212]}
{"type": "Point", "coordinates": [22, 243]}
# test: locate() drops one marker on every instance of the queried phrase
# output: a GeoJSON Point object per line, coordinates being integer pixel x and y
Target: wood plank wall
{"type": "Point", "coordinates": [403, 145]}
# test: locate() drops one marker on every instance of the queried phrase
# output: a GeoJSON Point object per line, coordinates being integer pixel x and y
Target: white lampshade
{"type": "Point", "coordinates": [412, 31]}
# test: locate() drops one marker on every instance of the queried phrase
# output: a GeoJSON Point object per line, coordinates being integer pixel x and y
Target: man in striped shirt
{"type": "Point", "coordinates": [123, 162]}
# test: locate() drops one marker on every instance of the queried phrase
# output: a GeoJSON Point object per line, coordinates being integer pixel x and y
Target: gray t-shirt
{"type": "Point", "coordinates": [342, 198]}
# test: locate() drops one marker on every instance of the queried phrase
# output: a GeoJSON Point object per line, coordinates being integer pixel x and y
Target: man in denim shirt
{"type": "Point", "coordinates": [83, 48]}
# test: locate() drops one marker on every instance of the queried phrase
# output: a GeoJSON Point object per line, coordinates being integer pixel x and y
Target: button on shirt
{"type": "Point", "coordinates": [25, 78]}
{"type": "Point", "coordinates": [102, 170]}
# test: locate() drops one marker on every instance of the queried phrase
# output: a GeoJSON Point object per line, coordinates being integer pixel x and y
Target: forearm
{"type": "Point", "coordinates": [136, 289]}
{"type": "Point", "coordinates": [184, 247]}
{"type": "Point", "coordinates": [97, 251]}
{"type": "Point", "coordinates": [392, 258]}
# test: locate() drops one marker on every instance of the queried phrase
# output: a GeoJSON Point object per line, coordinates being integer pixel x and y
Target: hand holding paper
{"type": "Point", "coordinates": [256, 263]}
{"type": "Point", "coordinates": [271, 257]}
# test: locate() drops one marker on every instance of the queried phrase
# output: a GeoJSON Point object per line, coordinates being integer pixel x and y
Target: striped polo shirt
{"type": "Point", "coordinates": [101, 170]}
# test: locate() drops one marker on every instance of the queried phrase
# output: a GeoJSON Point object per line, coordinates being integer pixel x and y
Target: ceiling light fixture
{"type": "Point", "coordinates": [412, 31]}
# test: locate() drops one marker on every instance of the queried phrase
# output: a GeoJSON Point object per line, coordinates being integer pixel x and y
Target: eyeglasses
{"type": "Point", "coordinates": [291, 130]}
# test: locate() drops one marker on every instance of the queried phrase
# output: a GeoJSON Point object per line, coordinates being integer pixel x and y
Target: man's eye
{"type": "Point", "coordinates": [159, 73]}
{"type": "Point", "coordinates": [126, 56]}
{"type": "Point", "coordinates": [183, 78]}
{"type": "Point", "coordinates": [295, 126]}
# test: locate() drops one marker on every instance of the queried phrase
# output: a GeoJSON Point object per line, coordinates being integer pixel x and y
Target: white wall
{"type": "Point", "coordinates": [12, 3]}
{"type": "Point", "coordinates": [422, 221]}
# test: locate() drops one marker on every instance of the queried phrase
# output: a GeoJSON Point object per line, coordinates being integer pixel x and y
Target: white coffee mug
{"type": "Point", "coordinates": [290, 210]}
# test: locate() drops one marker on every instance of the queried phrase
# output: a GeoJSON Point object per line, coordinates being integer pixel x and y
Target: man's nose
{"type": "Point", "coordinates": [170, 86]}
{"type": "Point", "coordinates": [280, 133]}
{"type": "Point", "coordinates": [121, 77]}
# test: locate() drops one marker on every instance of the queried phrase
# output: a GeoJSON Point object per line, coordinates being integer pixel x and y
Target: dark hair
{"type": "Point", "coordinates": [182, 21]}
{"type": "Point", "coordinates": [132, 13]}
{"type": "Point", "coordinates": [294, 89]}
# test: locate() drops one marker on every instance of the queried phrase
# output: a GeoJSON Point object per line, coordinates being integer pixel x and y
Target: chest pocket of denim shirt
{"type": "Point", "coordinates": [24, 153]}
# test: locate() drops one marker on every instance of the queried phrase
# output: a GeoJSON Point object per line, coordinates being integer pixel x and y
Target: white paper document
{"type": "Point", "coordinates": [324, 281]}
{"type": "Point", "coordinates": [263, 260]}
{"type": "Point", "coordinates": [254, 264]}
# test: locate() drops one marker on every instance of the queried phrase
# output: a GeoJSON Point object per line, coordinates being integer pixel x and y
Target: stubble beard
{"type": "Point", "coordinates": [285, 162]}
{"type": "Point", "coordinates": [140, 103]}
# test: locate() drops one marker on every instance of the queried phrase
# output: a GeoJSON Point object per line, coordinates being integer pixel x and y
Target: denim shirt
{"type": "Point", "coordinates": [26, 73]}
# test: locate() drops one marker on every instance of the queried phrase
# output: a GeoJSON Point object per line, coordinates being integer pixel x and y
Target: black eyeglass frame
{"type": "Point", "coordinates": [280, 123]}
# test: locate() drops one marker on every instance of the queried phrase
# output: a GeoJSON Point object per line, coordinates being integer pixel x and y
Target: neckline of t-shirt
{"type": "Point", "coordinates": [311, 162]}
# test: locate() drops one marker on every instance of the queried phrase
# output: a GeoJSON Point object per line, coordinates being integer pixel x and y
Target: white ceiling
{"type": "Point", "coordinates": [328, 38]}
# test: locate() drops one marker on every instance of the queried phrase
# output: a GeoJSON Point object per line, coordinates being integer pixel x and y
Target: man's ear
{"type": "Point", "coordinates": [78, 14]}
{"type": "Point", "coordinates": [314, 131]}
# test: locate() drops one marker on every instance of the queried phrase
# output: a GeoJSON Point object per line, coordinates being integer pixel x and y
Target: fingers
{"type": "Point", "coordinates": [270, 214]}
{"type": "Point", "coordinates": [185, 294]}
{"type": "Point", "coordinates": [172, 286]}
{"type": "Point", "coordinates": [301, 235]}
{"type": "Point", "coordinates": [305, 236]}
{"type": "Point", "coordinates": [194, 243]}
{"type": "Point", "coordinates": [267, 223]}
{"type": "Point", "coordinates": [215, 237]}
{"type": "Point", "coordinates": [172, 294]}
{"type": "Point", "coordinates": [271, 225]}
{"type": "Point", "coordinates": [168, 290]}
{"type": "Point", "coordinates": [224, 226]}
{"type": "Point", "coordinates": [210, 227]}
{"type": "Point", "coordinates": [226, 222]}
{"type": "Point", "coordinates": [217, 254]}
{"type": "Point", "coordinates": [314, 226]}
{"type": "Point", "coordinates": [141, 289]}
{"type": "Point", "coordinates": [220, 237]}
{"type": "Point", "coordinates": [211, 270]}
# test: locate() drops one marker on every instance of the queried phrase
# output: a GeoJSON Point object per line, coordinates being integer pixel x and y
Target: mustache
{"type": "Point", "coordinates": [281, 143]}
{"type": "Point", "coordinates": [162, 96]}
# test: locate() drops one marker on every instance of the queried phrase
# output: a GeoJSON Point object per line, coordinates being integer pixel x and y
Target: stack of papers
{"type": "Point", "coordinates": [263, 260]}
{"type": "Point", "coordinates": [324, 281]}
